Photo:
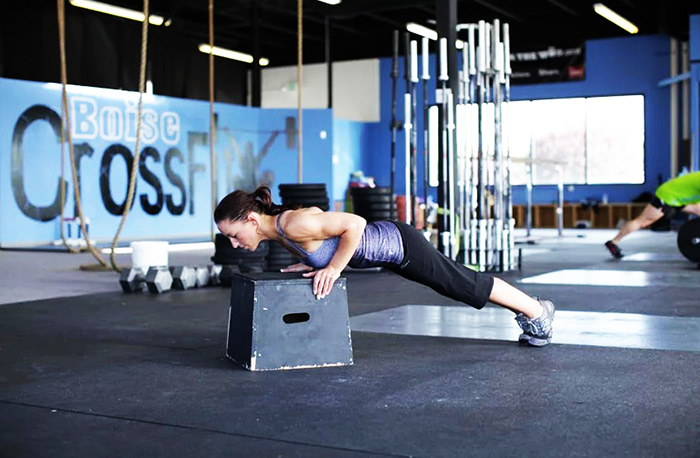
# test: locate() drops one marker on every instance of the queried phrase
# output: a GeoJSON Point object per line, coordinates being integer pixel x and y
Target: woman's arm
{"type": "Point", "coordinates": [303, 227]}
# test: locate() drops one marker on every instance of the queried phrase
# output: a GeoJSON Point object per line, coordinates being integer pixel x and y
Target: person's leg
{"type": "Point", "coordinates": [651, 213]}
{"type": "Point", "coordinates": [693, 209]}
{"type": "Point", "coordinates": [649, 216]}
{"type": "Point", "coordinates": [510, 297]}
{"type": "Point", "coordinates": [425, 265]}
{"type": "Point", "coordinates": [534, 316]}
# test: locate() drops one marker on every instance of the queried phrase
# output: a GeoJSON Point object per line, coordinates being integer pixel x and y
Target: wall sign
{"type": "Point", "coordinates": [174, 176]}
{"type": "Point", "coordinates": [550, 65]}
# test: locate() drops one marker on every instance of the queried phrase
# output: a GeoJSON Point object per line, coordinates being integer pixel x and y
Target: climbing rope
{"type": "Point", "coordinates": [212, 132]}
{"type": "Point", "coordinates": [66, 133]}
{"type": "Point", "coordinates": [137, 150]}
{"type": "Point", "coordinates": [300, 35]}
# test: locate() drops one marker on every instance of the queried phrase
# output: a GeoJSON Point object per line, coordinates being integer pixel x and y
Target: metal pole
{"type": "Point", "coordinates": [444, 242]}
{"type": "Point", "coordinates": [560, 200]}
{"type": "Point", "coordinates": [473, 148]}
{"type": "Point", "coordinates": [426, 77]}
{"type": "Point", "coordinates": [407, 126]}
{"type": "Point", "coordinates": [394, 127]}
{"type": "Point", "coordinates": [414, 131]}
{"type": "Point", "coordinates": [499, 213]}
{"type": "Point", "coordinates": [300, 112]}
{"type": "Point", "coordinates": [510, 221]}
{"type": "Point", "coordinates": [530, 182]}
{"type": "Point", "coordinates": [329, 63]}
{"type": "Point", "coordinates": [481, 189]}
{"type": "Point", "coordinates": [450, 173]}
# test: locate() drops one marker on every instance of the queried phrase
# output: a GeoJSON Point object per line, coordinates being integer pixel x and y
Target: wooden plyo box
{"type": "Point", "coordinates": [275, 322]}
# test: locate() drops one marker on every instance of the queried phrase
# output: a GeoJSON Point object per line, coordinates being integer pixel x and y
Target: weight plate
{"type": "Point", "coordinates": [304, 186]}
{"type": "Point", "coordinates": [373, 206]}
{"type": "Point", "coordinates": [689, 240]}
{"type": "Point", "coordinates": [380, 190]}
{"type": "Point", "coordinates": [385, 198]}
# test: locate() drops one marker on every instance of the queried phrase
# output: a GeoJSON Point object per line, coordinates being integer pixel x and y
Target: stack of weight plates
{"type": "Point", "coordinates": [279, 258]}
{"type": "Point", "coordinates": [306, 195]}
{"type": "Point", "coordinates": [373, 204]}
{"type": "Point", "coordinates": [237, 259]}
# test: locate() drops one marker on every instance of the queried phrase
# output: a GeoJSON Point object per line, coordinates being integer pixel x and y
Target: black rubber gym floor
{"type": "Point", "coordinates": [141, 375]}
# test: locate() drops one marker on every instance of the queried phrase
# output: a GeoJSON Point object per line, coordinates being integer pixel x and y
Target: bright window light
{"type": "Point", "coordinates": [234, 55]}
{"type": "Point", "coordinates": [117, 11]}
{"type": "Point", "coordinates": [331, 2]}
{"type": "Point", "coordinates": [600, 139]}
{"type": "Point", "coordinates": [615, 18]}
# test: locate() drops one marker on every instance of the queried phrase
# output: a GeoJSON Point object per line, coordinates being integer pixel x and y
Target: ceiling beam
{"type": "Point", "coordinates": [379, 18]}
{"type": "Point", "coordinates": [351, 8]}
{"type": "Point", "coordinates": [310, 17]}
{"type": "Point", "coordinates": [495, 9]}
{"type": "Point", "coordinates": [564, 8]}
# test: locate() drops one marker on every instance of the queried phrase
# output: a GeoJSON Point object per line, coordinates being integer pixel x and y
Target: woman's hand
{"type": "Point", "coordinates": [323, 280]}
{"type": "Point", "coordinates": [298, 267]}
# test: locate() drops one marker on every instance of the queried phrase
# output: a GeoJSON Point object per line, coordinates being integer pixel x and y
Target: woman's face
{"type": "Point", "coordinates": [242, 234]}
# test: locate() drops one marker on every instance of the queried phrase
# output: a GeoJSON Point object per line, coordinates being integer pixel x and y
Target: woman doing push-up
{"type": "Point", "coordinates": [327, 242]}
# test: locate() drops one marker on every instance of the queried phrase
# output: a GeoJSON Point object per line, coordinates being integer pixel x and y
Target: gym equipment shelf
{"type": "Point", "coordinates": [601, 216]}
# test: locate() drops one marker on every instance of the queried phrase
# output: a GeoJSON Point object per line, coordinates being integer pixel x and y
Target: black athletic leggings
{"type": "Point", "coordinates": [424, 264]}
{"type": "Point", "coordinates": [668, 210]}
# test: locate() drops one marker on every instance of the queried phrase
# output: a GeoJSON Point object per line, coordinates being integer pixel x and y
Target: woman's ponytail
{"type": "Point", "coordinates": [237, 205]}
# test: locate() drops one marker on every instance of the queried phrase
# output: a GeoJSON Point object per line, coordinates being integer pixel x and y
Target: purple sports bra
{"type": "Point", "coordinates": [381, 245]}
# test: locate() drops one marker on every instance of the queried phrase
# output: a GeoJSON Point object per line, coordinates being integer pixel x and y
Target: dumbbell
{"type": "Point", "coordinates": [184, 277]}
{"type": "Point", "coordinates": [205, 276]}
{"type": "Point", "coordinates": [215, 274]}
{"type": "Point", "coordinates": [201, 276]}
{"type": "Point", "coordinates": [157, 279]}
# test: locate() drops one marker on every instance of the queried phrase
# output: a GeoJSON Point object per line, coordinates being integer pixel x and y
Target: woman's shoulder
{"type": "Point", "coordinates": [302, 212]}
{"type": "Point", "coordinates": [298, 217]}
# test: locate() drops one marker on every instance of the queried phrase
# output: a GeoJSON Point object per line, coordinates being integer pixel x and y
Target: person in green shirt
{"type": "Point", "coordinates": [677, 194]}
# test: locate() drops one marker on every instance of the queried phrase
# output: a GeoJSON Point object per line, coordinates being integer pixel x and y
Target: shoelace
{"type": "Point", "coordinates": [523, 322]}
{"type": "Point", "coordinates": [540, 327]}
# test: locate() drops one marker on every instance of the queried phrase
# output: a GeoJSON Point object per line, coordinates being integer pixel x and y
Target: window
{"type": "Point", "coordinates": [596, 140]}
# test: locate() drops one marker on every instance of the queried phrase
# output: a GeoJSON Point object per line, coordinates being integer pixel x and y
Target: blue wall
{"type": "Point", "coordinates": [630, 65]}
{"type": "Point", "coordinates": [173, 185]}
{"type": "Point", "coordinates": [350, 140]}
{"type": "Point", "coordinates": [694, 53]}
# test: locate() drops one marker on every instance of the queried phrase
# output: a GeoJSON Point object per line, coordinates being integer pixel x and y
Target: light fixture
{"type": "Point", "coordinates": [331, 2]}
{"type": "Point", "coordinates": [428, 33]}
{"type": "Point", "coordinates": [230, 54]}
{"type": "Point", "coordinates": [615, 18]}
{"type": "Point", "coordinates": [421, 30]}
{"type": "Point", "coordinates": [117, 11]}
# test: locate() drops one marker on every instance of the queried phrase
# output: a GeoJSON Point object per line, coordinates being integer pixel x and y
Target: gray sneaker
{"type": "Point", "coordinates": [522, 320]}
{"type": "Point", "coordinates": [537, 331]}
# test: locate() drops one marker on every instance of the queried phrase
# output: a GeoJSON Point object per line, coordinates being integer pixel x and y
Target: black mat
{"type": "Point", "coordinates": [142, 375]}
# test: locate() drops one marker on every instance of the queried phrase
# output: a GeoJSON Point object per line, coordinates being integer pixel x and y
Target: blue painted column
{"type": "Point", "coordinates": [694, 57]}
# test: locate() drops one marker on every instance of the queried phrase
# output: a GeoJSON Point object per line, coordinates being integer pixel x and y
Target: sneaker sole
{"type": "Point", "coordinates": [535, 342]}
{"type": "Point", "coordinates": [617, 254]}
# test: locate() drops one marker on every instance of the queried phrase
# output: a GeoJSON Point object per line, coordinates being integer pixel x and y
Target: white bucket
{"type": "Point", "coordinates": [147, 254]}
